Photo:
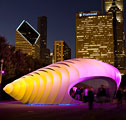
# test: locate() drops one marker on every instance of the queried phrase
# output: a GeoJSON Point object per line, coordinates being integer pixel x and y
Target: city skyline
{"type": "Point", "coordinates": [61, 18]}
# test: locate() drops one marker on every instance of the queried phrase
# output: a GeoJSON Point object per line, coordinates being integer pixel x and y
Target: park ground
{"type": "Point", "coordinates": [13, 110]}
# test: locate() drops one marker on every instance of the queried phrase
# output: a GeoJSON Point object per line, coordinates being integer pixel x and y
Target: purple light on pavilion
{"type": "Point", "coordinates": [52, 84]}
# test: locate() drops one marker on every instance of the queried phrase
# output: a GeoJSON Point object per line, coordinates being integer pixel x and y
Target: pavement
{"type": "Point", "coordinates": [14, 110]}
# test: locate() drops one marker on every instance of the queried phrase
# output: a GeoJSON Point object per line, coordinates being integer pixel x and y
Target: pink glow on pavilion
{"type": "Point", "coordinates": [52, 84]}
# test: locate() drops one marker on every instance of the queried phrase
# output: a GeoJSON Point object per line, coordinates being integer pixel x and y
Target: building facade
{"type": "Point", "coordinates": [42, 29]}
{"type": "Point", "coordinates": [27, 40]}
{"type": "Point", "coordinates": [94, 36]}
{"type": "Point", "coordinates": [118, 6]}
{"type": "Point", "coordinates": [115, 8]}
{"type": "Point", "coordinates": [102, 36]}
{"type": "Point", "coordinates": [61, 51]}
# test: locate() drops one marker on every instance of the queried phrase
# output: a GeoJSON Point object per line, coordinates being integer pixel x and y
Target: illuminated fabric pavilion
{"type": "Point", "coordinates": [52, 84]}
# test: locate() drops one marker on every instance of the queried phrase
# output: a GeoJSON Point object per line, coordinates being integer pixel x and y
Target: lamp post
{"type": "Point", "coordinates": [29, 69]}
{"type": "Point", "coordinates": [1, 70]}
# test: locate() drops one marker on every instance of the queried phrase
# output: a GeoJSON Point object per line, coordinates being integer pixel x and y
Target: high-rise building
{"type": "Point", "coordinates": [115, 8]}
{"type": "Point", "coordinates": [61, 51]}
{"type": "Point", "coordinates": [27, 39]}
{"type": "Point", "coordinates": [116, 5]}
{"type": "Point", "coordinates": [92, 29]}
{"type": "Point", "coordinates": [42, 29]}
{"type": "Point", "coordinates": [94, 36]}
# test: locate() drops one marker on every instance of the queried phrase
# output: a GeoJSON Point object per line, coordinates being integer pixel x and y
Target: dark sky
{"type": "Point", "coordinates": [60, 16]}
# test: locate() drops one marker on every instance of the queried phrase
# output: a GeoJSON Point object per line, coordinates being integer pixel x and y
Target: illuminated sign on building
{"type": "Point", "coordinates": [87, 14]}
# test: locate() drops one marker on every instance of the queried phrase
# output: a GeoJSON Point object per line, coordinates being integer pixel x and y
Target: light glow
{"type": "Point", "coordinates": [87, 14]}
{"type": "Point", "coordinates": [52, 84]}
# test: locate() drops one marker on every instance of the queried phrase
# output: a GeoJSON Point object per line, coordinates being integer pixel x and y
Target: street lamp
{"type": "Point", "coordinates": [29, 69]}
{"type": "Point", "coordinates": [1, 70]}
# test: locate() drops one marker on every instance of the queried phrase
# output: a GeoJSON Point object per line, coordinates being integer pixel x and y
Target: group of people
{"type": "Point", "coordinates": [89, 95]}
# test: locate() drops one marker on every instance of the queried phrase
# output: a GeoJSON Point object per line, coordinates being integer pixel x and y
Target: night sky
{"type": "Point", "coordinates": [60, 17]}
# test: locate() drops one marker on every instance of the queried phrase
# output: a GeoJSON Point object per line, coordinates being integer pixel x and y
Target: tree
{"type": "Point", "coordinates": [17, 64]}
{"type": "Point", "coordinates": [5, 54]}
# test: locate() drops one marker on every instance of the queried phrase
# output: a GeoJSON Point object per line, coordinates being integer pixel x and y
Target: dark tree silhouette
{"type": "Point", "coordinates": [16, 64]}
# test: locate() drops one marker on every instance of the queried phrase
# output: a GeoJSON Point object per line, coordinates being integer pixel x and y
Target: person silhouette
{"type": "Point", "coordinates": [101, 95]}
{"type": "Point", "coordinates": [90, 98]}
{"type": "Point", "coordinates": [85, 95]}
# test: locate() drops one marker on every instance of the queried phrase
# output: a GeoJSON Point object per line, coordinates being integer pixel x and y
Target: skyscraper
{"type": "Point", "coordinates": [115, 8]}
{"type": "Point", "coordinates": [115, 5]}
{"type": "Point", "coordinates": [94, 36]}
{"type": "Point", "coordinates": [42, 29]}
{"type": "Point", "coordinates": [27, 39]}
{"type": "Point", "coordinates": [61, 51]}
{"type": "Point", "coordinates": [94, 31]}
